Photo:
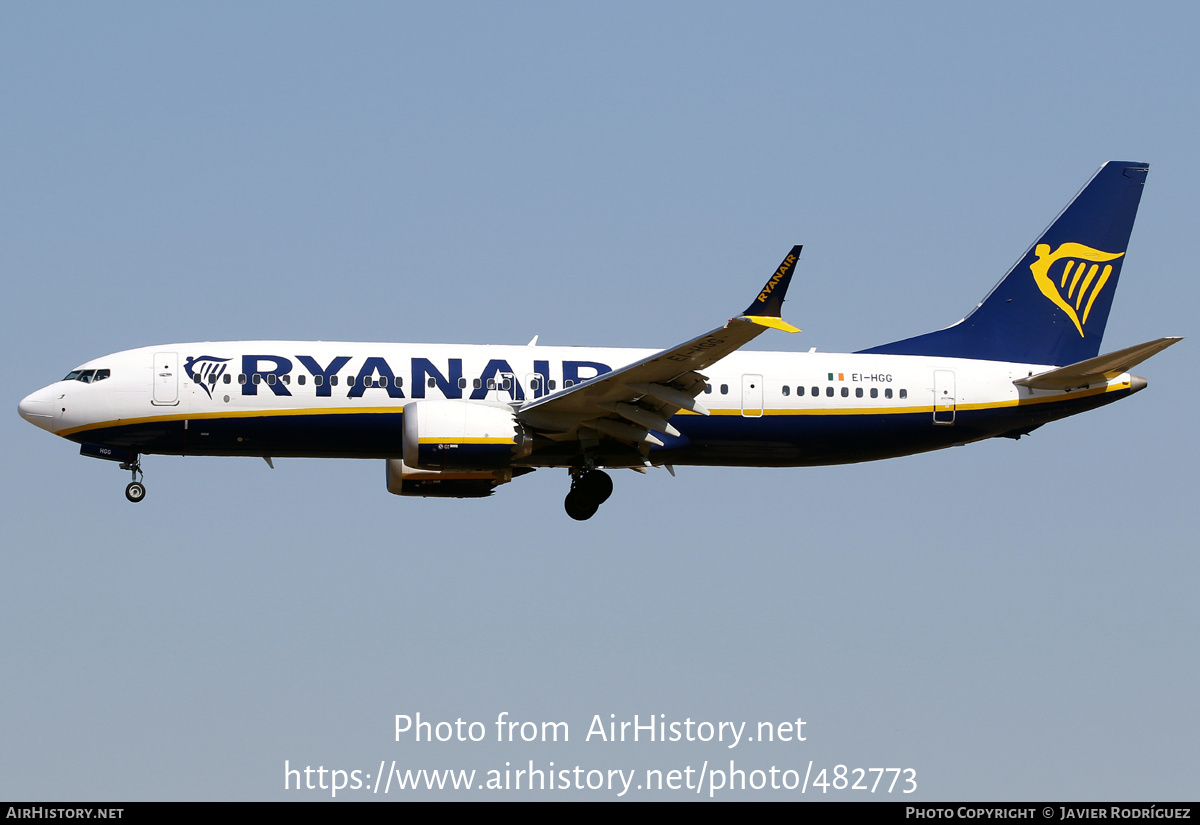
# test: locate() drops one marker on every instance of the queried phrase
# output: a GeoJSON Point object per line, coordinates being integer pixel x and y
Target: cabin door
{"type": "Point", "coordinates": [166, 379]}
{"type": "Point", "coordinates": [752, 396]}
{"type": "Point", "coordinates": [943, 396]}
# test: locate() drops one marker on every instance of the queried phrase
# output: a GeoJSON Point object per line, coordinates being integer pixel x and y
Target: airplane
{"type": "Point", "coordinates": [459, 421]}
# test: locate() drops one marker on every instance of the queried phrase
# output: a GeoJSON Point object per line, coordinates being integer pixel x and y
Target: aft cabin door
{"type": "Point", "coordinates": [166, 379]}
{"type": "Point", "coordinates": [943, 397]}
{"type": "Point", "coordinates": [752, 396]}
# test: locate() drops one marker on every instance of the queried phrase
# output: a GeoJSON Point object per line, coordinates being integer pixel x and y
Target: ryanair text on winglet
{"type": "Point", "coordinates": [783, 267]}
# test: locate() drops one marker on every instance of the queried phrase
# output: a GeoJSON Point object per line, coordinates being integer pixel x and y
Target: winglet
{"type": "Point", "coordinates": [766, 309]}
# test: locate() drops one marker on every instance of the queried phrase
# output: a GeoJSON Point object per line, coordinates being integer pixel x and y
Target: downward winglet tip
{"type": "Point", "coordinates": [771, 321]}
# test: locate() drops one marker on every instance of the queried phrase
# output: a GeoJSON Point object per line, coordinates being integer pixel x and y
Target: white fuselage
{"type": "Point", "coordinates": [204, 398]}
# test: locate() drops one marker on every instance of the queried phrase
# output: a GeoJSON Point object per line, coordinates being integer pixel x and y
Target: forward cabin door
{"type": "Point", "coordinates": [166, 379]}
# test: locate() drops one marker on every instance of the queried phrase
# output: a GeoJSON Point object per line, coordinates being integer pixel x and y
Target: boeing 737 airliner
{"type": "Point", "coordinates": [461, 420]}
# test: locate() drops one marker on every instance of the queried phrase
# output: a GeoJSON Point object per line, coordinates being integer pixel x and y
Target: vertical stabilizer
{"type": "Point", "coordinates": [1052, 306]}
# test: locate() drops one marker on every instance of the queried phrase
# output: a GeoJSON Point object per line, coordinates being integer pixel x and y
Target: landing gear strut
{"type": "Point", "coordinates": [589, 489]}
{"type": "Point", "coordinates": [135, 491]}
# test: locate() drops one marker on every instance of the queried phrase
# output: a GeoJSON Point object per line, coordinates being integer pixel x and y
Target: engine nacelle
{"type": "Point", "coordinates": [461, 435]}
{"type": "Point", "coordinates": [403, 480]}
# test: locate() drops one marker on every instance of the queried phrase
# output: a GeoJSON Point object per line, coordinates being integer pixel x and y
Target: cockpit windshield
{"type": "Point", "coordinates": [87, 376]}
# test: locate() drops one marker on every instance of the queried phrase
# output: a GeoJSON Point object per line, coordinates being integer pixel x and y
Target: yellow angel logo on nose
{"type": "Point", "coordinates": [1076, 259]}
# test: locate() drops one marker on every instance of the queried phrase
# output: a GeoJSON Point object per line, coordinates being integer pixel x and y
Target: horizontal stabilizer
{"type": "Point", "coordinates": [1096, 370]}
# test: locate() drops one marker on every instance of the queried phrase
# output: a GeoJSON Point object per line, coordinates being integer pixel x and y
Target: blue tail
{"type": "Point", "coordinates": [1052, 306]}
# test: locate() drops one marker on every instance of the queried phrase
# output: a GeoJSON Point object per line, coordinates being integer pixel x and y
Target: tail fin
{"type": "Point", "coordinates": [1052, 306]}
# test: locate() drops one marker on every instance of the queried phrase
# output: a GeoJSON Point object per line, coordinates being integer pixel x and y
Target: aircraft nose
{"type": "Point", "coordinates": [38, 409]}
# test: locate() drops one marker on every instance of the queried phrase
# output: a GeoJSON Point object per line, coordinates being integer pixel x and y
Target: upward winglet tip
{"type": "Point", "coordinates": [769, 303]}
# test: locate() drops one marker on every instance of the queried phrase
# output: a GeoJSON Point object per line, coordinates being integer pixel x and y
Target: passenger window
{"type": "Point", "coordinates": [829, 392]}
{"type": "Point", "coordinates": [858, 392]}
{"type": "Point", "coordinates": [477, 383]}
{"type": "Point", "coordinates": [228, 378]}
{"type": "Point", "coordinates": [399, 381]}
{"type": "Point", "coordinates": [799, 390]}
{"type": "Point", "coordinates": [708, 388]}
{"type": "Point", "coordinates": [887, 393]}
{"type": "Point", "coordinates": [333, 379]}
{"type": "Point", "coordinates": [257, 378]}
{"type": "Point", "coordinates": [904, 393]}
{"type": "Point", "coordinates": [300, 380]}
{"type": "Point", "coordinates": [845, 392]}
{"type": "Point", "coordinates": [242, 378]}
{"type": "Point", "coordinates": [874, 392]}
{"type": "Point", "coordinates": [816, 391]}
{"type": "Point", "coordinates": [287, 379]}
{"type": "Point", "coordinates": [491, 383]}
{"type": "Point", "coordinates": [462, 383]}
{"type": "Point", "coordinates": [349, 380]}
{"type": "Point", "coordinates": [724, 389]}
{"type": "Point", "coordinates": [508, 383]}
{"type": "Point", "coordinates": [786, 390]}
{"type": "Point", "coordinates": [271, 379]}
{"type": "Point", "coordinates": [568, 383]}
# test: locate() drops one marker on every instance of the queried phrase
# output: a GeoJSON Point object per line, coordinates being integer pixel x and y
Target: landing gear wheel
{"type": "Point", "coordinates": [589, 490]}
{"type": "Point", "coordinates": [596, 485]}
{"type": "Point", "coordinates": [135, 492]}
{"type": "Point", "coordinates": [580, 508]}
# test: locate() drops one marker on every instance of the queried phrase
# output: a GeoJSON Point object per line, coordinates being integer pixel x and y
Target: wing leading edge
{"type": "Point", "coordinates": [631, 403]}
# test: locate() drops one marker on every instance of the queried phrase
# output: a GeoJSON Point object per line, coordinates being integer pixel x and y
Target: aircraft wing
{"type": "Point", "coordinates": [629, 403]}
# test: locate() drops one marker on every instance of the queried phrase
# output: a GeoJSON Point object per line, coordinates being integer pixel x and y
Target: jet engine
{"type": "Point", "coordinates": [462, 436]}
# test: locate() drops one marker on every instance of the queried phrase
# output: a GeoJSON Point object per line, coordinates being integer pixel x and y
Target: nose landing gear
{"type": "Point", "coordinates": [589, 489]}
{"type": "Point", "coordinates": [135, 491]}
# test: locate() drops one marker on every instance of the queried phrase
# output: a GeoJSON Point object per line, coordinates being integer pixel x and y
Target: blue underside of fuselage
{"type": "Point", "coordinates": [771, 440]}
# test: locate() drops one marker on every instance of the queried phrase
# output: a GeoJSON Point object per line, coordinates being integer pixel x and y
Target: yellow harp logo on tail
{"type": "Point", "coordinates": [1074, 287]}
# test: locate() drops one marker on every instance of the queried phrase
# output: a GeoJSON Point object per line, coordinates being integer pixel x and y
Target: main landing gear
{"type": "Point", "coordinates": [589, 489]}
{"type": "Point", "coordinates": [135, 491]}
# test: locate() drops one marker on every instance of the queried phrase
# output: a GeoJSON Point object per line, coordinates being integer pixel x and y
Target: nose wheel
{"type": "Point", "coordinates": [589, 489]}
{"type": "Point", "coordinates": [135, 491]}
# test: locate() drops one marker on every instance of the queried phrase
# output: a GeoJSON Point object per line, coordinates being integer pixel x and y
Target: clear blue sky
{"type": "Point", "coordinates": [1013, 620]}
